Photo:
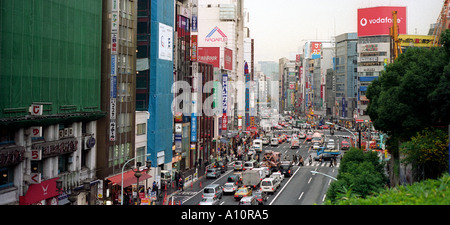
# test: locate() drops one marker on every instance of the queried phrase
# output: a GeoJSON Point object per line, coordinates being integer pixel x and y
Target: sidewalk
{"type": "Point", "coordinates": [193, 185]}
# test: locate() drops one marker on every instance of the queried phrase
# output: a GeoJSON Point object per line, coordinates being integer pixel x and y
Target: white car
{"type": "Point", "coordinates": [265, 141]}
{"type": "Point", "coordinates": [229, 187]}
{"type": "Point", "coordinates": [330, 144]}
{"type": "Point", "coordinates": [316, 146]}
{"type": "Point", "coordinates": [278, 175]}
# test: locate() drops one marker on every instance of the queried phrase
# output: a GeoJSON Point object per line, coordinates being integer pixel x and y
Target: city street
{"type": "Point", "coordinates": [302, 188]}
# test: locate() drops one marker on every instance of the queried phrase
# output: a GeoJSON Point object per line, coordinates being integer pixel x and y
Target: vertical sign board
{"type": "Point", "coordinates": [193, 127]}
{"type": "Point", "coordinates": [224, 101]}
{"type": "Point", "coordinates": [113, 44]}
{"type": "Point", "coordinates": [114, 22]}
{"type": "Point", "coordinates": [194, 45]}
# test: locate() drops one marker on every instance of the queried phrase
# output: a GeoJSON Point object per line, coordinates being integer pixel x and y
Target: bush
{"type": "Point", "coordinates": [428, 192]}
{"type": "Point", "coordinates": [360, 175]}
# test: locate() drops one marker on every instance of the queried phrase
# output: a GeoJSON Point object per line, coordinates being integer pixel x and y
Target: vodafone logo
{"type": "Point", "coordinates": [379, 20]}
{"type": "Point", "coordinates": [363, 22]}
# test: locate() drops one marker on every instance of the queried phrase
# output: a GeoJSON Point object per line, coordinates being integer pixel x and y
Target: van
{"type": "Point", "coordinates": [269, 185]}
{"type": "Point", "coordinates": [274, 141]}
{"type": "Point", "coordinates": [212, 191]}
{"type": "Point", "coordinates": [257, 145]}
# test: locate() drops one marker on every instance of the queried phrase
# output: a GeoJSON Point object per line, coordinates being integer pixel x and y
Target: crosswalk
{"type": "Point", "coordinates": [320, 164]}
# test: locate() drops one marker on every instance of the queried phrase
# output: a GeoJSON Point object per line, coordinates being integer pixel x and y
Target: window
{"type": "Point", "coordinates": [141, 129]}
{"type": "Point", "coordinates": [63, 163]}
{"type": "Point", "coordinates": [6, 177]}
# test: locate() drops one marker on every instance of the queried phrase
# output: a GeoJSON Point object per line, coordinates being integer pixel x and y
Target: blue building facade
{"type": "Point", "coordinates": [159, 128]}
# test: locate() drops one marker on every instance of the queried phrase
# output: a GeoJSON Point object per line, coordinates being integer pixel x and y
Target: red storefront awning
{"type": "Point", "coordinates": [38, 192]}
{"type": "Point", "coordinates": [128, 178]}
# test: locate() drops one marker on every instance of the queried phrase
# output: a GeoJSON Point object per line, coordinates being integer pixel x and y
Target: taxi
{"type": "Point", "coordinates": [242, 192]}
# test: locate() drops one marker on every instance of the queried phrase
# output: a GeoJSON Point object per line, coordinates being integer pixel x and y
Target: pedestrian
{"type": "Point", "coordinates": [331, 162]}
{"type": "Point", "coordinates": [310, 160]}
{"type": "Point", "coordinates": [181, 184]}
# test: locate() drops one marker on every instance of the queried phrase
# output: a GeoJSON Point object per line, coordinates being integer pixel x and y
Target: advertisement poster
{"type": "Point", "coordinates": [210, 55]}
{"type": "Point", "coordinates": [377, 20]}
{"type": "Point", "coordinates": [165, 42]}
{"type": "Point", "coordinates": [228, 57]}
{"type": "Point", "coordinates": [316, 48]}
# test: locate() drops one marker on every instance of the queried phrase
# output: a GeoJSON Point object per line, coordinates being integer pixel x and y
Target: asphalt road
{"type": "Point", "coordinates": [302, 188]}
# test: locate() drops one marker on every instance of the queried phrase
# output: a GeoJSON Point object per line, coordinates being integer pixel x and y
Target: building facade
{"type": "Point", "coordinates": [116, 136]}
{"type": "Point", "coordinates": [346, 73]}
{"type": "Point", "coordinates": [49, 101]}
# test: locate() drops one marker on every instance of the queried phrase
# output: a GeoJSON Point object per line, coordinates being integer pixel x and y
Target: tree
{"type": "Point", "coordinates": [427, 152]}
{"type": "Point", "coordinates": [413, 93]}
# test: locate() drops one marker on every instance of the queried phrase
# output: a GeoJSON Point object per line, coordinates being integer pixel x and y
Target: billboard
{"type": "Point", "coordinates": [421, 41]}
{"type": "Point", "coordinates": [377, 20]}
{"type": "Point", "coordinates": [210, 55]}
{"type": "Point", "coordinates": [228, 58]}
{"type": "Point", "coordinates": [316, 48]}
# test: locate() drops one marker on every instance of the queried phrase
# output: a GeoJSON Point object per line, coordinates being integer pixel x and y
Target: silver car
{"type": "Point", "coordinates": [238, 165]}
{"type": "Point", "coordinates": [209, 201]}
{"type": "Point", "coordinates": [230, 187]}
{"type": "Point", "coordinates": [213, 173]}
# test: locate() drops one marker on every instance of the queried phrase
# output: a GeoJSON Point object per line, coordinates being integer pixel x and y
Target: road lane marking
{"type": "Point", "coordinates": [301, 195]}
{"type": "Point", "coordinates": [284, 186]}
{"type": "Point", "coordinates": [323, 199]}
{"type": "Point", "coordinates": [309, 181]}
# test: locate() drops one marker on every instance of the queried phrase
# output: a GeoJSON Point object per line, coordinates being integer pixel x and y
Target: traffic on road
{"type": "Point", "coordinates": [285, 170]}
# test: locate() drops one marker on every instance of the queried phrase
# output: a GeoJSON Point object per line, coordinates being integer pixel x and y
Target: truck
{"type": "Point", "coordinates": [295, 143]}
{"type": "Point", "coordinates": [271, 160]}
{"type": "Point", "coordinates": [251, 178]}
{"type": "Point", "coordinates": [318, 137]}
{"type": "Point", "coordinates": [257, 145]}
{"type": "Point", "coordinates": [323, 150]}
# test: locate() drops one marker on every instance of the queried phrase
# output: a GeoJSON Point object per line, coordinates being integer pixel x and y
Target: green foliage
{"type": "Point", "coordinates": [428, 192]}
{"type": "Point", "coordinates": [413, 93]}
{"type": "Point", "coordinates": [427, 152]}
{"type": "Point", "coordinates": [360, 174]}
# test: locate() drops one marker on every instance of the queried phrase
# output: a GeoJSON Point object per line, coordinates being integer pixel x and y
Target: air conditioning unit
{"type": "Point", "coordinates": [61, 133]}
{"type": "Point", "coordinates": [66, 132]}
{"type": "Point", "coordinates": [71, 132]}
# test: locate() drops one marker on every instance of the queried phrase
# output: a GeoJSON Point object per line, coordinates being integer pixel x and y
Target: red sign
{"type": "Point", "coordinates": [210, 55]}
{"type": "Point", "coordinates": [38, 192]}
{"type": "Point", "coordinates": [224, 121]}
{"type": "Point", "coordinates": [228, 55]}
{"type": "Point", "coordinates": [377, 20]}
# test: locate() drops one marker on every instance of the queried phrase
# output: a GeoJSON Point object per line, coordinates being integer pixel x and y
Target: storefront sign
{"type": "Point", "coordinates": [12, 156]}
{"type": "Point", "coordinates": [55, 148]}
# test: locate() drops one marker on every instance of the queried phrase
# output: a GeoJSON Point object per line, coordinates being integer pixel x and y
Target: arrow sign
{"type": "Point", "coordinates": [35, 178]}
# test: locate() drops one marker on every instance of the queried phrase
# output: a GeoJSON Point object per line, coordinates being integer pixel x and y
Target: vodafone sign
{"type": "Point", "coordinates": [377, 20]}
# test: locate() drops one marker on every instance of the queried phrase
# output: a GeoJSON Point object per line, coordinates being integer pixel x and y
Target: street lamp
{"type": "Point", "coordinates": [139, 175]}
{"type": "Point", "coordinates": [73, 194]}
{"type": "Point", "coordinates": [315, 172]}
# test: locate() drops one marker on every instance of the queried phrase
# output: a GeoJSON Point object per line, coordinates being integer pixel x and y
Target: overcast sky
{"type": "Point", "coordinates": [279, 26]}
